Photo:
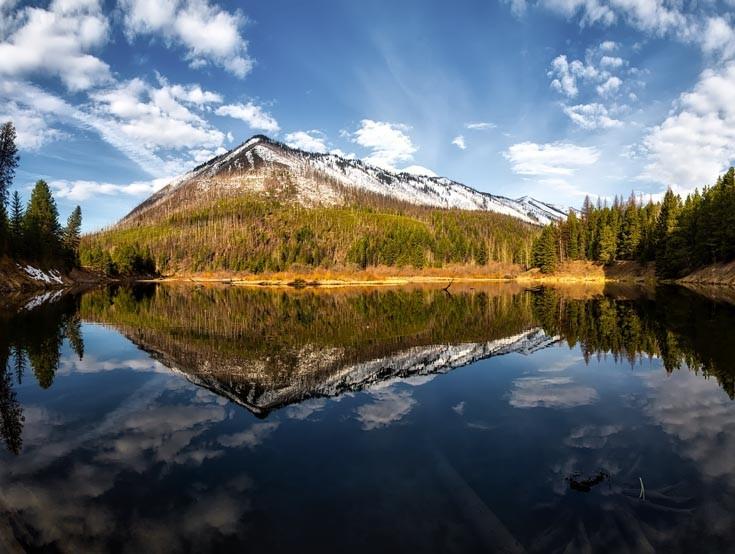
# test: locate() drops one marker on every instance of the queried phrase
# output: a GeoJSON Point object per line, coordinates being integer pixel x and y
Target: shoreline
{"type": "Point", "coordinates": [573, 273]}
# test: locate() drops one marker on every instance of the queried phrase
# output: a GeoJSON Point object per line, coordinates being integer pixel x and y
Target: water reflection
{"type": "Point", "coordinates": [266, 349]}
{"type": "Point", "coordinates": [31, 335]}
{"type": "Point", "coordinates": [365, 426]}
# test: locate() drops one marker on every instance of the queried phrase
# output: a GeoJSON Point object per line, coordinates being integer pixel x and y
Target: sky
{"type": "Point", "coordinates": [556, 99]}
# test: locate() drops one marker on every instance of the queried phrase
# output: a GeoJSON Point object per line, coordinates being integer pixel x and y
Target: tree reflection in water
{"type": "Point", "coordinates": [31, 334]}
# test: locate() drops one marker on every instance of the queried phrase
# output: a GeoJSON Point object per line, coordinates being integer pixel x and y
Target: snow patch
{"type": "Point", "coordinates": [51, 277]}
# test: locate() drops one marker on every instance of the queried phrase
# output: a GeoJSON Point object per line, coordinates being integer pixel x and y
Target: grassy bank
{"type": "Point", "coordinates": [570, 273]}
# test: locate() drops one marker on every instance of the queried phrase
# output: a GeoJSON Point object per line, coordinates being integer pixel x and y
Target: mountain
{"type": "Point", "coordinates": [265, 208]}
{"type": "Point", "coordinates": [264, 165]}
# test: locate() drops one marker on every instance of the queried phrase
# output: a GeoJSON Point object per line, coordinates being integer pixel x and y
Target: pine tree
{"type": "Point", "coordinates": [608, 245]}
{"type": "Point", "coordinates": [8, 160]}
{"type": "Point", "coordinates": [544, 250]}
{"type": "Point", "coordinates": [41, 224]}
{"type": "Point", "coordinates": [16, 224]}
{"type": "Point", "coordinates": [71, 235]}
{"type": "Point", "coordinates": [665, 226]}
{"type": "Point", "coordinates": [630, 232]}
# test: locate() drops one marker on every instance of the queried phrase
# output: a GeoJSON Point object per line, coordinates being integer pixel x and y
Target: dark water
{"type": "Point", "coordinates": [161, 419]}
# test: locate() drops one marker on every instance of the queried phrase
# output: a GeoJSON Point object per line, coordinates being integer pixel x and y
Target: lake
{"type": "Point", "coordinates": [162, 418]}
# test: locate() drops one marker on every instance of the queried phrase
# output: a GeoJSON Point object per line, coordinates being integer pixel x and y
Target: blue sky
{"type": "Point", "coordinates": [552, 98]}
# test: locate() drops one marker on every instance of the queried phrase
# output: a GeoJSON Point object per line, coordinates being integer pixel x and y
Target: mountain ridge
{"type": "Point", "coordinates": [261, 164]}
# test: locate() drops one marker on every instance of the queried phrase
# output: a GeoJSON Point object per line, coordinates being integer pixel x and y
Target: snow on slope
{"type": "Point", "coordinates": [241, 167]}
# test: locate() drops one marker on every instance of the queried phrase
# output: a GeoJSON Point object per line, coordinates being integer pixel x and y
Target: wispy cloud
{"type": "Point", "coordinates": [551, 159]}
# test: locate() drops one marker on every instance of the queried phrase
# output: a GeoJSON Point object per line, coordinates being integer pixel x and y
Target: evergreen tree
{"type": "Point", "coordinates": [16, 224]}
{"type": "Point", "coordinates": [665, 226]}
{"type": "Point", "coordinates": [544, 250]}
{"type": "Point", "coordinates": [608, 245]}
{"type": "Point", "coordinates": [41, 224]}
{"type": "Point", "coordinates": [8, 160]}
{"type": "Point", "coordinates": [630, 232]}
{"type": "Point", "coordinates": [71, 235]}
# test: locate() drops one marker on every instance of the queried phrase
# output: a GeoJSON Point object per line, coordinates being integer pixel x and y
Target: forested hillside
{"type": "Point", "coordinates": [260, 233]}
{"type": "Point", "coordinates": [679, 235]}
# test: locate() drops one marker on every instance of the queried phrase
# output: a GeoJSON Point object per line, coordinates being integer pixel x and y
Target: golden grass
{"type": "Point", "coordinates": [570, 273]}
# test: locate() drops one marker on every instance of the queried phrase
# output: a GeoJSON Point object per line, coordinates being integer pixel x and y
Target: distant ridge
{"type": "Point", "coordinates": [262, 164]}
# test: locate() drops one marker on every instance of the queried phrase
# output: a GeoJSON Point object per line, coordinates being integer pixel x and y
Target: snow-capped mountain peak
{"type": "Point", "coordinates": [321, 179]}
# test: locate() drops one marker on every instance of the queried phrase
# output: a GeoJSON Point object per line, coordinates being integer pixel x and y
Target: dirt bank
{"type": "Point", "coordinates": [718, 274]}
{"type": "Point", "coordinates": [22, 276]}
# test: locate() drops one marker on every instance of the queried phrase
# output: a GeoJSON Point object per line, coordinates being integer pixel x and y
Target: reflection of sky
{"type": "Point", "coordinates": [553, 387]}
{"type": "Point", "coordinates": [700, 415]}
{"type": "Point", "coordinates": [120, 446]}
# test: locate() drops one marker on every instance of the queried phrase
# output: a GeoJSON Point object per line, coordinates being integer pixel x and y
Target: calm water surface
{"type": "Point", "coordinates": [165, 418]}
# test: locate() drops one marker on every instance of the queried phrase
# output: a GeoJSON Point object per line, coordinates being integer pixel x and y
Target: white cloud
{"type": "Point", "coordinates": [134, 117]}
{"type": "Point", "coordinates": [154, 117]}
{"type": "Point", "coordinates": [479, 126]}
{"type": "Point", "coordinates": [703, 127]}
{"type": "Point", "coordinates": [591, 11]}
{"type": "Point", "coordinates": [201, 155]}
{"type": "Point", "coordinates": [419, 170]}
{"type": "Point", "coordinates": [609, 46]}
{"type": "Point", "coordinates": [517, 7]}
{"type": "Point", "coordinates": [81, 190]}
{"type": "Point", "coordinates": [52, 106]}
{"type": "Point", "coordinates": [56, 42]}
{"type": "Point", "coordinates": [388, 143]}
{"type": "Point", "coordinates": [655, 16]}
{"type": "Point", "coordinates": [597, 69]}
{"type": "Point", "coordinates": [564, 80]}
{"type": "Point", "coordinates": [718, 37]}
{"type": "Point", "coordinates": [191, 94]}
{"type": "Point", "coordinates": [252, 114]}
{"type": "Point", "coordinates": [609, 87]}
{"type": "Point", "coordinates": [33, 126]}
{"type": "Point", "coordinates": [310, 141]}
{"type": "Point", "coordinates": [611, 61]}
{"type": "Point", "coordinates": [209, 33]}
{"type": "Point", "coordinates": [459, 142]}
{"type": "Point", "coordinates": [591, 116]}
{"type": "Point", "coordinates": [343, 154]}
{"type": "Point", "coordinates": [686, 22]}
{"type": "Point", "coordinates": [552, 159]}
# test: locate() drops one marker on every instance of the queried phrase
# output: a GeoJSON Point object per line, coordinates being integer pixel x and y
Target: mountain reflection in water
{"type": "Point", "coordinates": [109, 448]}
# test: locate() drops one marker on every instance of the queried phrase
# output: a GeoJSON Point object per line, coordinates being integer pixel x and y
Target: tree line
{"type": "Point", "coordinates": [680, 236]}
{"type": "Point", "coordinates": [33, 232]}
